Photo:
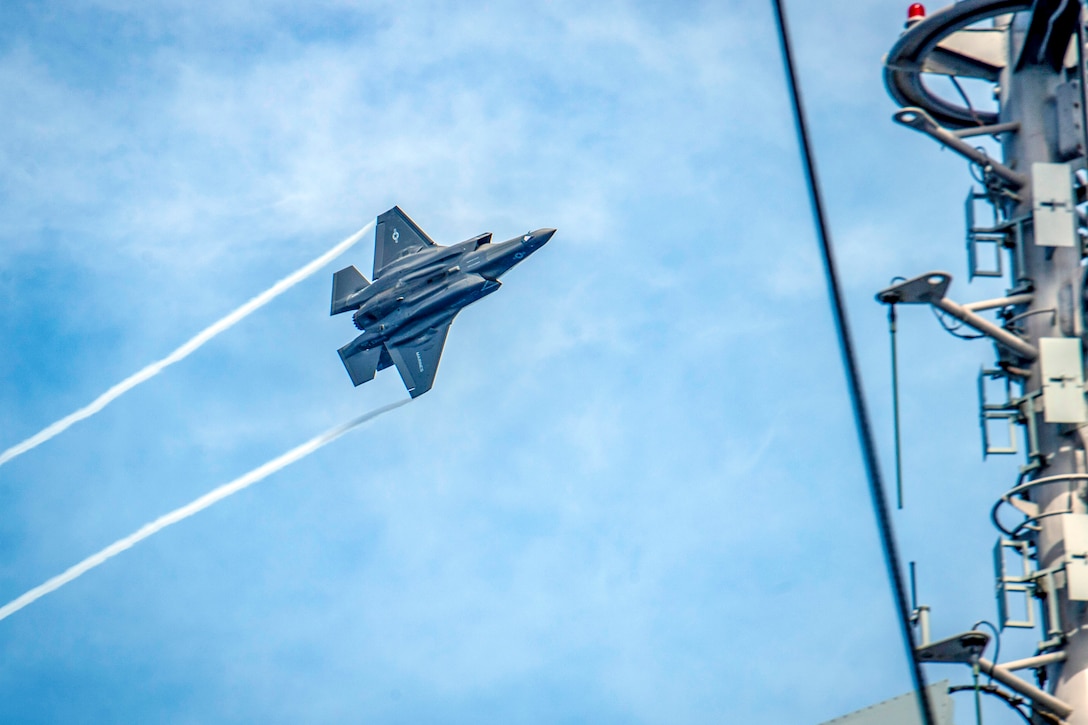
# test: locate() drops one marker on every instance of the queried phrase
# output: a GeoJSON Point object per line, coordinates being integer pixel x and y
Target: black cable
{"type": "Point", "coordinates": [953, 329]}
{"type": "Point", "coordinates": [976, 172]}
{"type": "Point", "coordinates": [997, 641]}
{"type": "Point", "coordinates": [1039, 57]}
{"type": "Point", "coordinates": [993, 511]}
{"type": "Point", "coordinates": [853, 377]}
{"type": "Point", "coordinates": [1011, 700]}
{"type": "Point", "coordinates": [966, 99]}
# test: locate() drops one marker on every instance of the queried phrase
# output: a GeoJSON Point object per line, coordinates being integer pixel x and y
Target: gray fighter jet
{"type": "Point", "coordinates": [418, 288]}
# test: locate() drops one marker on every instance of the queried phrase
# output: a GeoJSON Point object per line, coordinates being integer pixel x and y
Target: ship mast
{"type": "Point", "coordinates": [1033, 238]}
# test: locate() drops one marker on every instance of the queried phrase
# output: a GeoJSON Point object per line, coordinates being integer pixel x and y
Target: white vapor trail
{"type": "Point", "coordinates": [179, 514]}
{"type": "Point", "coordinates": [142, 376]}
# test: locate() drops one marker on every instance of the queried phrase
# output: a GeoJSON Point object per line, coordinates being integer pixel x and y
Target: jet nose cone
{"type": "Point", "coordinates": [536, 239]}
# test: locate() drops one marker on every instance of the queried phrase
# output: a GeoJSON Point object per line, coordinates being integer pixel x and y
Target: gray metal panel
{"type": "Point", "coordinates": [1014, 583]}
{"type": "Point", "coordinates": [1076, 574]}
{"type": "Point", "coordinates": [1075, 536]}
{"type": "Point", "coordinates": [1070, 134]}
{"type": "Point", "coordinates": [1063, 379]}
{"type": "Point", "coordinates": [903, 710]}
{"type": "Point", "coordinates": [1075, 533]}
{"type": "Point", "coordinates": [971, 52]}
{"type": "Point", "coordinates": [1052, 205]}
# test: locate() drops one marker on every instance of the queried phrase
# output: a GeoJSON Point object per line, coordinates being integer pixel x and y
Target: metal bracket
{"type": "Point", "coordinates": [1068, 98]}
{"type": "Point", "coordinates": [1038, 697]}
{"type": "Point", "coordinates": [994, 236]}
{"type": "Point", "coordinates": [967, 648]}
{"type": "Point", "coordinates": [963, 648]}
{"type": "Point", "coordinates": [919, 120]}
{"type": "Point", "coordinates": [1007, 584]}
{"type": "Point", "coordinates": [1075, 538]}
{"type": "Point", "coordinates": [930, 289]}
{"type": "Point", "coordinates": [1042, 585]}
{"type": "Point", "coordinates": [1062, 366]}
{"type": "Point", "coordinates": [1027, 406]}
{"type": "Point", "coordinates": [1052, 205]}
{"type": "Point", "coordinates": [1046, 588]}
{"type": "Point", "coordinates": [987, 411]}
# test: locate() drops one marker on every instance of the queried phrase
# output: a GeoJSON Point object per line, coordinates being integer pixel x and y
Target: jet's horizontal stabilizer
{"type": "Point", "coordinates": [345, 283]}
{"type": "Point", "coordinates": [362, 365]}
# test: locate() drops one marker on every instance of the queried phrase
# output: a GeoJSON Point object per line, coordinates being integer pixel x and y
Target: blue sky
{"type": "Point", "coordinates": [634, 494]}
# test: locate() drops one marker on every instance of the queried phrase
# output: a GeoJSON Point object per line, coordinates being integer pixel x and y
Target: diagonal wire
{"type": "Point", "coordinates": [853, 375]}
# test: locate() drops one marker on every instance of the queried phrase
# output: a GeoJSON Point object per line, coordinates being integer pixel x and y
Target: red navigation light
{"type": "Point", "coordinates": [916, 11]}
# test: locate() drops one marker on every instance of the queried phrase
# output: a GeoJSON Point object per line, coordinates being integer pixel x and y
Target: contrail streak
{"type": "Point", "coordinates": [184, 351]}
{"type": "Point", "coordinates": [179, 514]}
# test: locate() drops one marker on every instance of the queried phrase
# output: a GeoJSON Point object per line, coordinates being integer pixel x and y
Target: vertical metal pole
{"type": "Point", "coordinates": [895, 424]}
{"type": "Point", "coordinates": [1028, 97]}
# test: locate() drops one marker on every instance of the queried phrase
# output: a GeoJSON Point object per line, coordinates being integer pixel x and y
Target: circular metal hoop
{"type": "Point", "coordinates": [903, 66]}
{"type": "Point", "coordinates": [1029, 521]}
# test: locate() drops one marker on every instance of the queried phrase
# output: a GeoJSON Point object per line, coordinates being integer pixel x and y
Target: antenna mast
{"type": "Point", "coordinates": [1030, 52]}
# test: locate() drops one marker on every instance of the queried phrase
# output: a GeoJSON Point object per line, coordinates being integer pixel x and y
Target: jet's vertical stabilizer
{"type": "Point", "coordinates": [345, 283]}
{"type": "Point", "coordinates": [396, 236]}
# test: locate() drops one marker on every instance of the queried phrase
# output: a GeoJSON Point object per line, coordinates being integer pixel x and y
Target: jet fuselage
{"type": "Point", "coordinates": [418, 288]}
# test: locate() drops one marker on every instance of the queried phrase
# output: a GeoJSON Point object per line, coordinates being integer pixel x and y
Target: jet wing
{"type": "Point", "coordinates": [417, 361]}
{"type": "Point", "coordinates": [396, 236]}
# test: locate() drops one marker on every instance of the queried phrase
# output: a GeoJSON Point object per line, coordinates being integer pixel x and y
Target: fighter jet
{"type": "Point", "coordinates": [405, 314]}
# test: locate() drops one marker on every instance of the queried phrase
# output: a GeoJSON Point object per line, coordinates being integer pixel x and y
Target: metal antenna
{"type": "Point", "coordinates": [913, 588]}
{"type": "Point", "coordinates": [895, 421]}
{"type": "Point", "coordinates": [1020, 48]}
{"type": "Point", "coordinates": [853, 375]}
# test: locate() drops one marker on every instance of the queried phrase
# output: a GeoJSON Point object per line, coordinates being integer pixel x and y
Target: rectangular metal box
{"type": "Point", "coordinates": [1052, 205]}
{"type": "Point", "coordinates": [1063, 379]}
